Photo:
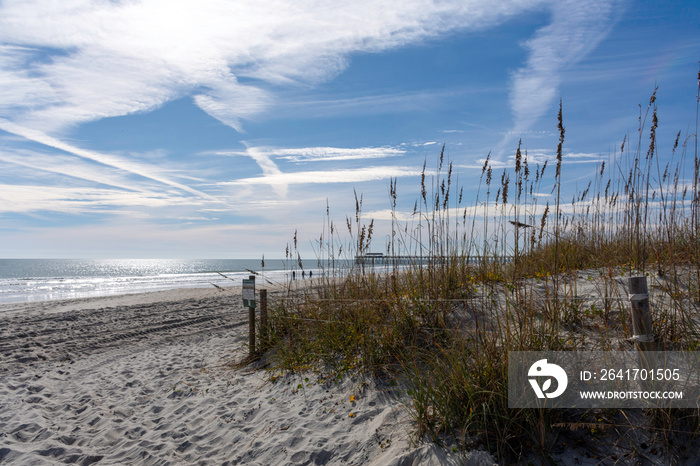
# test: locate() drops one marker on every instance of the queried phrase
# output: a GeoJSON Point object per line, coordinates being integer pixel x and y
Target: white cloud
{"type": "Point", "coordinates": [268, 167]}
{"type": "Point", "coordinates": [321, 154]}
{"type": "Point", "coordinates": [542, 155]}
{"type": "Point", "coordinates": [357, 175]}
{"type": "Point", "coordinates": [584, 156]}
{"type": "Point", "coordinates": [228, 102]}
{"type": "Point", "coordinates": [394, 103]}
{"type": "Point", "coordinates": [69, 166]}
{"type": "Point", "coordinates": [318, 154]}
{"type": "Point", "coordinates": [77, 200]}
{"type": "Point", "coordinates": [537, 157]}
{"type": "Point", "coordinates": [64, 63]}
{"type": "Point", "coordinates": [577, 27]}
{"type": "Point", "coordinates": [273, 176]}
{"type": "Point", "coordinates": [143, 170]}
{"type": "Point", "coordinates": [75, 61]}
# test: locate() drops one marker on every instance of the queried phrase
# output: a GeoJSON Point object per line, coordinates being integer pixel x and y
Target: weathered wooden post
{"type": "Point", "coordinates": [642, 331]}
{"type": "Point", "coordinates": [249, 301]}
{"type": "Point", "coordinates": [263, 316]}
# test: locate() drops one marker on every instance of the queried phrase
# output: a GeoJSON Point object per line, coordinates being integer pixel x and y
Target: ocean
{"type": "Point", "coordinates": [26, 280]}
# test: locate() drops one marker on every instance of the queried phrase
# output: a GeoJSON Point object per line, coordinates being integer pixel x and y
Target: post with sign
{"type": "Point", "coordinates": [249, 302]}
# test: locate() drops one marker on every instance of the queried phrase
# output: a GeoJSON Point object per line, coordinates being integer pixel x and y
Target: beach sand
{"type": "Point", "coordinates": [148, 379]}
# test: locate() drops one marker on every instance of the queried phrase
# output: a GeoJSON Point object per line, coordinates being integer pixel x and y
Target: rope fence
{"type": "Point", "coordinates": [638, 298]}
{"type": "Point", "coordinates": [563, 298]}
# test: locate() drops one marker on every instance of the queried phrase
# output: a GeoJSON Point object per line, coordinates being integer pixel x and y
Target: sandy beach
{"type": "Point", "coordinates": [147, 379]}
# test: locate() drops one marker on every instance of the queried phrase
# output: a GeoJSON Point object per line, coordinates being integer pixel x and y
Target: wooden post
{"type": "Point", "coordinates": [251, 323]}
{"type": "Point", "coordinates": [643, 334]}
{"type": "Point", "coordinates": [263, 316]}
{"type": "Point", "coordinates": [251, 330]}
{"type": "Point", "coordinates": [642, 331]}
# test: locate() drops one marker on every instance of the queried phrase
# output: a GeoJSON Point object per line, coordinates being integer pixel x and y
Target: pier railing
{"type": "Point", "coordinates": [381, 259]}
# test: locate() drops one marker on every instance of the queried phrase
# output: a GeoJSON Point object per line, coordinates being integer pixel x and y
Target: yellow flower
{"type": "Point", "coordinates": [352, 415]}
{"type": "Point", "coordinates": [352, 398]}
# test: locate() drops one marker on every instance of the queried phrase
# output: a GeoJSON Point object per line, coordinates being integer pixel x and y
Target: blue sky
{"type": "Point", "coordinates": [184, 129]}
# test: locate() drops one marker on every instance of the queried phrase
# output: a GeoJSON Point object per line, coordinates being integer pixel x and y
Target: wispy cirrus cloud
{"type": "Point", "coordinates": [26, 198]}
{"type": "Point", "coordinates": [577, 27]}
{"type": "Point", "coordinates": [540, 156]}
{"type": "Point", "coordinates": [71, 62]}
{"type": "Point", "coordinates": [35, 163]}
{"type": "Point", "coordinates": [77, 61]}
{"type": "Point", "coordinates": [146, 171]}
{"type": "Point", "coordinates": [325, 154]}
{"type": "Point", "coordinates": [273, 176]}
{"type": "Point", "coordinates": [356, 175]}
{"type": "Point", "coordinates": [374, 104]}
{"type": "Point", "coordinates": [63, 64]}
{"type": "Point", "coordinates": [320, 154]}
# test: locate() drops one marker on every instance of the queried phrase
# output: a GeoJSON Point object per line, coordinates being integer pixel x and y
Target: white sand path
{"type": "Point", "coordinates": [143, 379]}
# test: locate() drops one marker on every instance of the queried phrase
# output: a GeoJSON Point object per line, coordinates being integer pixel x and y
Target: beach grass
{"type": "Point", "coordinates": [500, 274]}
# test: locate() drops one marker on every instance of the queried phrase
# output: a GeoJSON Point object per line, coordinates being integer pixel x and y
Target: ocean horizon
{"type": "Point", "coordinates": [29, 280]}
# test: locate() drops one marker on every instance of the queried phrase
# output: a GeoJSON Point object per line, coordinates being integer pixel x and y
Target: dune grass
{"type": "Point", "coordinates": [500, 274]}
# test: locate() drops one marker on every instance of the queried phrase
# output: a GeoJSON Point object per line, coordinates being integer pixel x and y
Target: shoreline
{"type": "Point", "coordinates": [107, 293]}
{"type": "Point", "coordinates": [23, 280]}
{"type": "Point", "coordinates": [51, 306]}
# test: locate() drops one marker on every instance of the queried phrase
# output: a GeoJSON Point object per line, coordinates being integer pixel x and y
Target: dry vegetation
{"type": "Point", "coordinates": [504, 274]}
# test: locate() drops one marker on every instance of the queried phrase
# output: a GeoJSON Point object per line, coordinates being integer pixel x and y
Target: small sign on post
{"type": "Point", "coordinates": [249, 292]}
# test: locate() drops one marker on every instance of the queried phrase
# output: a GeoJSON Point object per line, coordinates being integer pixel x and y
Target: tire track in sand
{"type": "Point", "coordinates": [29, 339]}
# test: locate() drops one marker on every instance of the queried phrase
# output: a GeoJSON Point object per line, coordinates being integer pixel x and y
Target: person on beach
{"type": "Point", "coordinates": [303, 274]}
{"type": "Point", "coordinates": [294, 275]}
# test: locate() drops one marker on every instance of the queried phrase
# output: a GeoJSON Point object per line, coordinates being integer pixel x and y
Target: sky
{"type": "Point", "coordinates": [216, 129]}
